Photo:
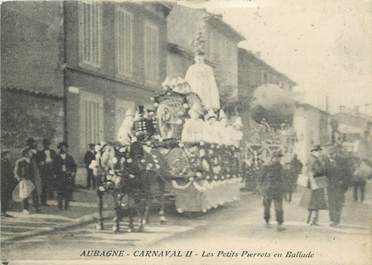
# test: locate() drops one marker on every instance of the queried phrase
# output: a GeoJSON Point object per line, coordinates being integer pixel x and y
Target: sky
{"type": "Point", "coordinates": [323, 45]}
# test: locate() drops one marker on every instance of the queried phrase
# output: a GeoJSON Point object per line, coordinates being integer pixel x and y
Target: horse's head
{"type": "Point", "coordinates": [110, 159]}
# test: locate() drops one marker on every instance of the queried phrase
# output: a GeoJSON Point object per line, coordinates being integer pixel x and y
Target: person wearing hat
{"type": "Point", "coordinates": [89, 156]}
{"type": "Point", "coordinates": [65, 170]}
{"type": "Point", "coordinates": [337, 185]}
{"type": "Point", "coordinates": [271, 185]}
{"type": "Point", "coordinates": [45, 160]}
{"type": "Point", "coordinates": [7, 182]}
{"type": "Point", "coordinates": [25, 170]}
{"type": "Point", "coordinates": [316, 199]}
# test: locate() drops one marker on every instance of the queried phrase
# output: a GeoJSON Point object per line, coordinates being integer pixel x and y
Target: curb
{"type": "Point", "coordinates": [81, 221]}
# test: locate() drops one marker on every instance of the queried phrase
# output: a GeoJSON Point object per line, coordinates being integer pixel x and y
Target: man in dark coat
{"type": "Point", "coordinates": [65, 170]}
{"type": "Point", "coordinates": [271, 184]}
{"type": "Point", "coordinates": [25, 170]}
{"type": "Point", "coordinates": [45, 160]}
{"type": "Point", "coordinates": [336, 188]}
{"type": "Point", "coordinates": [89, 156]}
{"type": "Point", "coordinates": [7, 182]}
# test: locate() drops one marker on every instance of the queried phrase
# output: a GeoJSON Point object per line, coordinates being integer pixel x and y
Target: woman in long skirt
{"type": "Point", "coordinates": [317, 199]}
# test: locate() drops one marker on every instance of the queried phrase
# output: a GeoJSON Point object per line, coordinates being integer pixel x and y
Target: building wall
{"type": "Point", "coordinates": [31, 73]}
{"type": "Point", "coordinates": [31, 46]}
{"type": "Point", "coordinates": [25, 115]}
{"type": "Point", "coordinates": [312, 127]}
{"type": "Point", "coordinates": [94, 94]}
{"type": "Point", "coordinates": [177, 64]}
{"type": "Point", "coordinates": [252, 73]}
{"type": "Point", "coordinates": [223, 52]}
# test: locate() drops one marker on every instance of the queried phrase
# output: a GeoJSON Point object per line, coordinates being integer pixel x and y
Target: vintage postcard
{"type": "Point", "coordinates": [186, 132]}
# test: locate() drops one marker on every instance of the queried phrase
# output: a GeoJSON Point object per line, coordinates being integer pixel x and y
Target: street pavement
{"type": "Point", "coordinates": [223, 232]}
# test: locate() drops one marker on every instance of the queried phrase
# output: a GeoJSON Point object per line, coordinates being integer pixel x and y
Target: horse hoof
{"type": "Point", "coordinates": [99, 227]}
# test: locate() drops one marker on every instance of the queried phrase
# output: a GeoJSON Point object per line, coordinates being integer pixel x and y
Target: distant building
{"type": "Point", "coordinates": [312, 127]}
{"type": "Point", "coordinates": [352, 123]}
{"type": "Point", "coordinates": [221, 47]}
{"type": "Point", "coordinates": [252, 73]}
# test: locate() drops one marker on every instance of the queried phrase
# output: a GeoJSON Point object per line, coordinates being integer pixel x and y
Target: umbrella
{"type": "Point", "coordinates": [22, 190]}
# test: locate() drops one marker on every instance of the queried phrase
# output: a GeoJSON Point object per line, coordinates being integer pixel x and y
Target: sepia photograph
{"type": "Point", "coordinates": [186, 132]}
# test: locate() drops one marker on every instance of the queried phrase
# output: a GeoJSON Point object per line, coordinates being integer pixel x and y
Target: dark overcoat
{"type": "Point", "coordinates": [272, 180]}
{"type": "Point", "coordinates": [65, 169]}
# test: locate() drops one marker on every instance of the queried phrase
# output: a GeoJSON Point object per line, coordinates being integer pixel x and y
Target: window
{"type": "Point", "coordinates": [124, 42]}
{"type": "Point", "coordinates": [151, 52]}
{"type": "Point", "coordinates": [90, 33]}
{"type": "Point", "coordinates": [91, 119]}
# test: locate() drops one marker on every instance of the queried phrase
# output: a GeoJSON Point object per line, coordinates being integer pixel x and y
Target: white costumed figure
{"type": "Point", "coordinates": [237, 128]}
{"type": "Point", "coordinates": [200, 77]}
{"type": "Point", "coordinates": [210, 133]}
{"type": "Point", "coordinates": [221, 129]}
{"type": "Point", "coordinates": [125, 131]}
{"type": "Point", "coordinates": [192, 132]}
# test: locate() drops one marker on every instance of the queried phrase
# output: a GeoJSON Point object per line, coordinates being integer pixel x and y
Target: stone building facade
{"type": "Point", "coordinates": [31, 74]}
{"type": "Point", "coordinates": [76, 67]}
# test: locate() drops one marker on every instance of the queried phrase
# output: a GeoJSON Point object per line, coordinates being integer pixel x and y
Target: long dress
{"type": "Point", "coordinates": [203, 83]}
{"type": "Point", "coordinates": [317, 198]}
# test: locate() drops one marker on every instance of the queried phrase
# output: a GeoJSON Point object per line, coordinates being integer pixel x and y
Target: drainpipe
{"type": "Point", "coordinates": [63, 66]}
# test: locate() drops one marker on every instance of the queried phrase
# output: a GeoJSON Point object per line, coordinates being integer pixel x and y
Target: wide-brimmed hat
{"type": "Point", "coordinates": [316, 147]}
{"type": "Point", "coordinates": [62, 144]}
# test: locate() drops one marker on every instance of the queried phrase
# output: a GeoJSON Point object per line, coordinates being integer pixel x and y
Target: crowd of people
{"type": "Point", "coordinates": [330, 172]}
{"type": "Point", "coordinates": [41, 173]}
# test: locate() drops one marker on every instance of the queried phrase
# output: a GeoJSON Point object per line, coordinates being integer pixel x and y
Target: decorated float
{"type": "Point", "coordinates": [199, 142]}
{"type": "Point", "coordinates": [270, 130]}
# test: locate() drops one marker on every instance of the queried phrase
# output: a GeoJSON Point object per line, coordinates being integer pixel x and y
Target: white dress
{"type": "Point", "coordinates": [203, 83]}
{"type": "Point", "coordinates": [192, 131]}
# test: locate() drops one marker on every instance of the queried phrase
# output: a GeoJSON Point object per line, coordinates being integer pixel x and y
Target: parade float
{"type": "Point", "coordinates": [199, 142]}
{"type": "Point", "coordinates": [270, 130]}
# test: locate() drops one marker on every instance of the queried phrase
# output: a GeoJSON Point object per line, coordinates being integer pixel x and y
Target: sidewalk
{"type": "Point", "coordinates": [82, 210]}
